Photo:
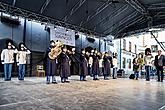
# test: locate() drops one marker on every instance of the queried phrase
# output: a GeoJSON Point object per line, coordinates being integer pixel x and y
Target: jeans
{"type": "Point", "coordinates": [51, 70]}
{"type": "Point", "coordinates": [21, 71]}
{"type": "Point", "coordinates": [100, 71]}
{"type": "Point", "coordinates": [90, 70]}
{"type": "Point", "coordinates": [114, 73]}
{"type": "Point", "coordinates": [148, 70]}
{"type": "Point", "coordinates": [136, 73]}
{"type": "Point", "coordinates": [7, 71]}
{"type": "Point", "coordinates": [82, 77]}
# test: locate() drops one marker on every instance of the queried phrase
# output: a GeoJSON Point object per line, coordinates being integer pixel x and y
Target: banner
{"type": "Point", "coordinates": [61, 34]}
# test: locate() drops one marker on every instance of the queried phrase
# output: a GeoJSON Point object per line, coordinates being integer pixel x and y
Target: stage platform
{"type": "Point", "coordinates": [113, 94]}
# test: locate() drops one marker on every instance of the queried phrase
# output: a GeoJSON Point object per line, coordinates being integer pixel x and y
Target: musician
{"type": "Point", "coordinates": [7, 58]}
{"type": "Point", "coordinates": [83, 65]}
{"type": "Point", "coordinates": [107, 65]}
{"type": "Point", "coordinates": [160, 64]}
{"type": "Point", "coordinates": [64, 62]}
{"type": "Point", "coordinates": [95, 65]}
{"type": "Point", "coordinates": [21, 60]}
{"type": "Point", "coordinates": [101, 66]}
{"type": "Point", "coordinates": [147, 60]}
{"type": "Point", "coordinates": [51, 64]}
{"type": "Point", "coordinates": [90, 62]}
{"type": "Point", "coordinates": [72, 57]}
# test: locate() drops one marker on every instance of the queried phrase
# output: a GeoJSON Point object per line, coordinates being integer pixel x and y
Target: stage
{"type": "Point", "coordinates": [113, 94]}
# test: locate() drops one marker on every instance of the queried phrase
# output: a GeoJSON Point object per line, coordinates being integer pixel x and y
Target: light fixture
{"type": "Point", "coordinates": [55, 28]}
{"type": "Point", "coordinates": [67, 30]}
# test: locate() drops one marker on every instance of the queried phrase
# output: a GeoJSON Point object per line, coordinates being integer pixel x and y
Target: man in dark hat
{"type": "Point", "coordinates": [64, 62]}
{"type": "Point", "coordinates": [95, 65]}
{"type": "Point", "coordinates": [107, 65]}
{"type": "Point", "coordinates": [72, 56]}
{"type": "Point", "coordinates": [83, 66]}
{"type": "Point", "coordinates": [50, 64]}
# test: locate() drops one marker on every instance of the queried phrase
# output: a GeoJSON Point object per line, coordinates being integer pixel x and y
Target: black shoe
{"type": "Point", "coordinates": [158, 80]}
{"type": "Point", "coordinates": [106, 78]}
{"type": "Point", "coordinates": [97, 78]}
{"type": "Point", "coordinates": [54, 82]}
{"type": "Point", "coordinates": [161, 80]}
{"type": "Point", "coordinates": [47, 82]}
{"type": "Point", "coordinates": [8, 80]}
{"type": "Point", "coordinates": [21, 79]}
{"type": "Point", "coordinates": [67, 81]}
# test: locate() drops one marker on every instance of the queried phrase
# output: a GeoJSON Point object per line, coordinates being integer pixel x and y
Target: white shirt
{"type": "Point", "coordinates": [22, 56]}
{"type": "Point", "coordinates": [90, 60]}
{"type": "Point", "coordinates": [115, 62]}
{"type": "Point", "coordinates": [7, 56]}
{"type": "Point", "coordinates": [148, 59]}
{"type": "Point", "coordinates": [101, 62]}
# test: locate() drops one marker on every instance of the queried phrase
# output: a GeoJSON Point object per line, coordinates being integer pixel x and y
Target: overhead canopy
{"type": "Point", "coordinates": [101, 17]}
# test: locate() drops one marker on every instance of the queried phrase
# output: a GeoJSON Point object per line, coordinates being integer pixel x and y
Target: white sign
{"type": "Point", "coordinates": [61, 34]}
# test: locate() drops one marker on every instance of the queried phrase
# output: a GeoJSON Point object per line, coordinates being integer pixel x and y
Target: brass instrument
{"type": "Point", "coordinates": [54, 52]}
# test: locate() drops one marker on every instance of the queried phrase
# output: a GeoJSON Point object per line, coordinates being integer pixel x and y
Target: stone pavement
{"type": "Point", "coordinates": [118, 94]}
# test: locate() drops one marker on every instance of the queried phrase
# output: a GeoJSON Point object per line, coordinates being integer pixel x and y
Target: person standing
{"type": "Point", "coordinates": [140, 62]}
{"type": "Point", "coordinates": [160, 64]}
{"type": "Point", "coordinates": [114, 61]}
{"type": "Point", "coordinates": [136, 67]}
{"type": "Point", "coordinates": [90, 63]}
{"type": "Point", "coordinates": [107, 65]}
{"type": "Point", "coordinates": [83, 65]}
{"type": "Point", "coordinates": [21, 60]}
{"type": "Point", "coordinates": [64, 62]}
{"type": "Point", "coordinates": [95, 66]}
{"type": "Point", "coordinates": [147, 61]}
{"type": "Point", "coordinates": [51, 64]}
{"type": "Point", "coordinates": [72, 57]}
{"type": "Point", "coordinates": [7, 58]}
{"type": "Point", "coordinates": [101, 65]}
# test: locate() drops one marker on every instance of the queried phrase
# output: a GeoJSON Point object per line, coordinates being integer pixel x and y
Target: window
{"type": "Point", "coordinates": [129, 63]}
{"type": "Point", "coordinates": [130, 46]}
{"type": "Point", "coordinates": [124, 62]}
{"type": "Point", "coordinates": [155, 34]}
{"type": "Point", "coordinates": [154, 48]}
{"type": "Point", "coordinates": [124, 44]}
{"type": "Point", "coordinates": [135, 49]}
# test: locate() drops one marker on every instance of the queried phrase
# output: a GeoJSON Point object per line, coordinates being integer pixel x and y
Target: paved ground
{"type": "Point", "coordinates": [120, 94]}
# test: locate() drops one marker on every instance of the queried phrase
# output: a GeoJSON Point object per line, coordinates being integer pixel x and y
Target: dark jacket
{"type": "Point", "coordinates": [160, 61]}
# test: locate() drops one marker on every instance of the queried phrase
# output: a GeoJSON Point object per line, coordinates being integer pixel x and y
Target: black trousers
{"type": "Point", "coordinates": [160, 73]}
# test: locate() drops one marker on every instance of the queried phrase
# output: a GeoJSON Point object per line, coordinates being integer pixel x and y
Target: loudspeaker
{"type": "Point", "coordinates": [91, 39]}
{"type": "Point", "coordinates": [10, 20]}
{"type": "Point", "coordinates": [76, 37]}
